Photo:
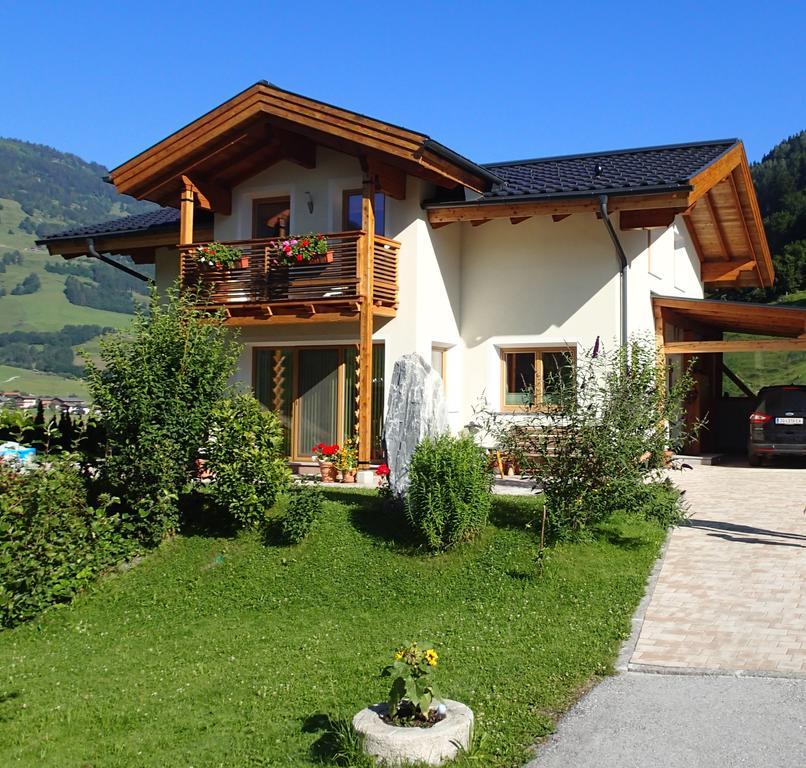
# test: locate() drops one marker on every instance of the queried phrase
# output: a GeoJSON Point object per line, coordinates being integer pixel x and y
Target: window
{"type": "Point", "coordinates": [271, 217]}
{"type": "Point", "coordinates": [351, 211]}
{"type": "Point", "coordinates": [438, 362]}
{"type": "Point", "coordinates": [533, 376]}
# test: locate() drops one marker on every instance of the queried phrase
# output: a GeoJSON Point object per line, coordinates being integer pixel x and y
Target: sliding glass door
{"type": "Point", "coordinates": [317, 401]}
{"type": "Point", "coordinates": [314, 391]}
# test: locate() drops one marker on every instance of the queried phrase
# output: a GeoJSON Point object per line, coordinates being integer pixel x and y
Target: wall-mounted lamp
{"type": "Point", "coordinates": [309, 201]}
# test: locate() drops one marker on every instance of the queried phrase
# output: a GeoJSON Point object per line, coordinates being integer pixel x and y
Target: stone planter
{"type": "Point", "coordinates": [393, 745]}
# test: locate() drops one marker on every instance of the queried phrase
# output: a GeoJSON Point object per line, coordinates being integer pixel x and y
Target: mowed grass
{"type": "Point", "coordinates": [220, 651]}
{"type": "Point", "coordinates": [36, 383]}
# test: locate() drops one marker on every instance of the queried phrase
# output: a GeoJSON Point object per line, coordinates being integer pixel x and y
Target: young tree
{"type": "Point", "coordinates": [155, 389]}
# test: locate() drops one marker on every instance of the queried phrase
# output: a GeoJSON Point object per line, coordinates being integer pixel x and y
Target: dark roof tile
{"type": "Point", "coordinates": [625, 170]}
{"type": "Point", "coordinates": [160, 218]}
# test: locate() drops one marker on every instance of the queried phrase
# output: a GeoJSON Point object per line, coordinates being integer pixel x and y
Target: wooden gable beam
{"type": "Point", "coordinates": [209, 195]}
{"type": "Point", "coordinates": [715, 172]}
{"type": "Point", "coordinates": [650, 218]}
{"type": "Point", "coordinates": [725, 271]}
{"type": "Point", "coordinates": [740, 345]}
{"type": "Point", "coordinates": [749, 240]}
{"type": "Point", "coordinates": [505, 210]}
{"type": "Point", "coordinates": [695, 238]}
{"type": "Point", "coordinates": [388, 179]}
{"type": "Point", "coordinates": [718, 228]}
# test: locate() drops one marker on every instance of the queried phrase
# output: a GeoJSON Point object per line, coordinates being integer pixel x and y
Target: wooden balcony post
{"type": "Point", "coordinates": [186, 204]}
{"type": "Point", "coordinates": [366, 251]}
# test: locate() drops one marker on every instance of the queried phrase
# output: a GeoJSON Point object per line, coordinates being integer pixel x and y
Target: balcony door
{"type": "Point", "coordinates": [317, 400]}
{"type": "Point", "coordinates": [313, 390]}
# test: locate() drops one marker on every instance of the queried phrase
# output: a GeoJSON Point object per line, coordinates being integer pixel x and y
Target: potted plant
{"type": "Point", "coordinates": [347, 461]}
{"type": "Point", "coordinates": [221, 256]}
{"type": "Point", "coordinates": [326, 454]}
{"type": "Point", "coordinates": [414, 724]}
{"type": "Point", "coordinates": [304, 249]}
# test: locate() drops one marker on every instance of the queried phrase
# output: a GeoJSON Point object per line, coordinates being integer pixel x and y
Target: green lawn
{"type": "Point", "coordinates": [226, 652]}
{"type": "Point", "coordinates": [37, 383]}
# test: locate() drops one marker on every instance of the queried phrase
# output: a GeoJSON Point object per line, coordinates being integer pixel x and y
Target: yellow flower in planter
{"type": "Point", "coordinates": [431, 657]}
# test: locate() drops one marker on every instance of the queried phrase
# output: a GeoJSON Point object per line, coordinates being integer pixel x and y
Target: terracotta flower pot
{"type": "Point", "coordinates": [327, 471]}
{"type": "Point", "coordinates": [348, 477]}
{"type": "Point", "coordinates": [243, 262]}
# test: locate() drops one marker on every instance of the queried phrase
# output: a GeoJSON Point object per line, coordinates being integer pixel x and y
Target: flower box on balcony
{"type": "Point", "coordinates": [221, 256]}
{"type": "Point", "coordinates": [302, 250]}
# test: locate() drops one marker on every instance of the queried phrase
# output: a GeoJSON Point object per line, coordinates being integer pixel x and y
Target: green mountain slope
{"type": "Point", "coordinates": [43, 191]}
{"type": "Point", "coordinates": [780, 181]}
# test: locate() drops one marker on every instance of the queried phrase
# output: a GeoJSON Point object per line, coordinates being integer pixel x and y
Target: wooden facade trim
{"type": "Point", "coordinates": [742, 345]}
{"type": "Point", "coordinates": [450, 214]}
{"type": "Point", "coordinates": [239, 122]}
{"type": "Point", "coordinates": [366, 257]}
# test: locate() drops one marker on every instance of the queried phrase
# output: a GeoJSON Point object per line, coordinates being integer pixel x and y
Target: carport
{"type": "Point", "coordinates": [693, 329]}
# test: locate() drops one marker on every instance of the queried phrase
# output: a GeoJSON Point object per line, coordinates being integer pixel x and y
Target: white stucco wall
{"type": "Point", "coordinates": [664, 263]}
{"type": "Point", "coordinates": [470, 290]}
{"type": "Point", "coordinates": [539, 283]}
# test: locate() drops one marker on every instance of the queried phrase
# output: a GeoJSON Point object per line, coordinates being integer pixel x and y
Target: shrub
{"type": "Point", "coordinates": [245, 458]}
{"type": "Point", "coordinates": [53, 543]}
{"type": "Point", "coordinates": [303, 508]}
{"type": "Point", "coordinates": [448, 500]}
{"type": "Point", "coordinates": [156, 387]}
{"type": "Point", "coordinates": [604, 438]}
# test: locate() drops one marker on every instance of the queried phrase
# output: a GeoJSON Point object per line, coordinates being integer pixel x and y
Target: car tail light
{"type": "Point", "coordinates": [759, 418]}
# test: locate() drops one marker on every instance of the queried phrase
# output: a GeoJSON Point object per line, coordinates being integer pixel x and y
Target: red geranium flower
{"type": "Point", "coordinates": [382, 470]}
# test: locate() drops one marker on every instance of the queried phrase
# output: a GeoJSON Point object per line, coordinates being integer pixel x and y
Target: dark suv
{"type": "Point", "coordinates": [778, 424]}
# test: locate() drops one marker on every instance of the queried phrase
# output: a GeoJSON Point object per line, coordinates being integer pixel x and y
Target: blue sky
{"type": "Point", "coordinates": [492, 80]}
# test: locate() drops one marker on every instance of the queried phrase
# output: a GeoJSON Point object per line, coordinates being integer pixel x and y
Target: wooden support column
{"type": "Point", "coordinates": [186, 204]}
{"type": "Point", "coordinates": [366, 255]}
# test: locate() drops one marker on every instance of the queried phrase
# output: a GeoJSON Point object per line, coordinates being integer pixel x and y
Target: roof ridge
{"type": "Point", "coordinates": [611, 152]}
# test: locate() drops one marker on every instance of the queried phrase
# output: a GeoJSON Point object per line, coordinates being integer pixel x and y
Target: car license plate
{"type": "Point", "coordinates": [789, 420]}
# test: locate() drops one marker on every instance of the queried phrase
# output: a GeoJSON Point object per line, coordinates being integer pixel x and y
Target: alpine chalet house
{"type": "Point", "coordinates": [490, 272]}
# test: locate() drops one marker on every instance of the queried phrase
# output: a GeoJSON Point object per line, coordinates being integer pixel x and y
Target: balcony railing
{"type": "Point", "coordinates": [272, 287]}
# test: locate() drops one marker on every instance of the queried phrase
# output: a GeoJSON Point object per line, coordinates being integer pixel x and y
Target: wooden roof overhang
{"type": "Point", "coordinates": [711, 318]}
{"type": "Point", "coordinates": [718, 205]}
{"type": "Point", "coordinates": [265, 124]}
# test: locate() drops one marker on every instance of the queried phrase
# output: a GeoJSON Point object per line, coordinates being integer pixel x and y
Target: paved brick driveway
{"type": "Point", "coordinates": [731, 594]}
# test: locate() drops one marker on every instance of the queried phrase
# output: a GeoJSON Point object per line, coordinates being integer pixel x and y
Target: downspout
{"type": "Point", "coordinates": [112, 263]}
{"type": "Point", "coordinates": [624, 268]}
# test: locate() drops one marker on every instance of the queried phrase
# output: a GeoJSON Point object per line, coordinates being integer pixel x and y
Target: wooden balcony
{"type": "Point", "coordinates": [266, 290]}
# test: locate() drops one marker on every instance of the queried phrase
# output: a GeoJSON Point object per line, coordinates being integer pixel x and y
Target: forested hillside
{"type": "Point", "coordinates": [48, 307]}
{"type": "Point", "coordinates": [780, 181]}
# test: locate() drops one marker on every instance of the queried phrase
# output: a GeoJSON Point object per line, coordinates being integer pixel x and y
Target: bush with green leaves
{"type": "Point", "coordinates": [245, 458]}
{"type": "Point", "coordinates": [156, 386]}
{"type": "Point", "coordinates": [53, 542]}
{"type": "Point", "coordinates": [303, 509]}
{"type": "Point", "coordinates": [448, 500]}
{"type": "Point", "coordinates": [604, 438]}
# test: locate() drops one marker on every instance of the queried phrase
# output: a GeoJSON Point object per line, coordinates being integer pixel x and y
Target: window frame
{"type": "Point", "coordinates": [273, 199]}
{"type": "Point", "coordinates": [537, 352]}
{"type": "Point", "coordinates": [443, 354]}
{"type": "Point", "coordinates": [345, 208]}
